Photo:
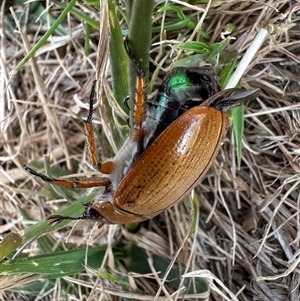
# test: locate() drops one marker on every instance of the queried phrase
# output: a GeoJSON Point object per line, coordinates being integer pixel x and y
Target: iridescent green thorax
{"type": "Point", "coordinates": [179, 81]}
{"type": "Point", "coordinates": [182, 89]}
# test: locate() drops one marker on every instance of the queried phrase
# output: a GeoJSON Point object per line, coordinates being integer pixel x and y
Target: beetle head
{"type": "Point", "coordinates": [89, 213]}
{"type": "Point", "coordinates": [102, 211]}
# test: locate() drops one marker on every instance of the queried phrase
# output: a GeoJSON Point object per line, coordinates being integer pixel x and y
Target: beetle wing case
{"type": "Point", "coordinates": [174, 163]}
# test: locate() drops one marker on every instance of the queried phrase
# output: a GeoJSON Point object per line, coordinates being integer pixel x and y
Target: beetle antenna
{"type": "Point", "coordinates": [57, 219]}
{"type": "Point", "coordinates": [37, 174]}
{"type": "Point", "coordinates": [91, 104]}
{"type": "Point", "coordinates": [132, 56]}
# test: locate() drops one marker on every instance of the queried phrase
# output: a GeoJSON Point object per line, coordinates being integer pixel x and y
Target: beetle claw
{"type": "Point", "coordinates": [100, 225]}
{"type": "Point", "coordinates": [54, 220]}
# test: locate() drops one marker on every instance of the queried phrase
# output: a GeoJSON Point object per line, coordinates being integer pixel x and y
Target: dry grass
{"type": "Point", "coordinates": [248, 233]}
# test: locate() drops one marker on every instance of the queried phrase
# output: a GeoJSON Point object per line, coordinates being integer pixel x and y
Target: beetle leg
{"type": "Point", "coordinates": [76, 183]}
{"type": "Point", "coordinates": [139, 105]}
{"type": "Point", "coordinates": [140, 99]}
{"type": "Point", "coordinates": [125, 101]}
{"type": "Point", "coordinates": [106, 167]}
{"type": "Point", "coordinates": [57, 219]}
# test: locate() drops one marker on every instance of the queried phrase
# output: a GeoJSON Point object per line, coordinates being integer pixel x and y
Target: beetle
{"type": "Point", "coordinates": [155, 169]}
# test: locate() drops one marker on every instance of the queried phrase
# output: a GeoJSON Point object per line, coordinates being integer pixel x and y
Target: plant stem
{"type": "Point", "coordinates": [140, 30]}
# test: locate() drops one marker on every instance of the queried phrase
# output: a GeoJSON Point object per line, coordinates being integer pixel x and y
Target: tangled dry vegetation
{"type": "Point", "coordinates": [248, 232]}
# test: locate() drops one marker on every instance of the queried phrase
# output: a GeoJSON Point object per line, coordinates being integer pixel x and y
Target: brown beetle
{"type": "Point", "coordinates": [143, 180]}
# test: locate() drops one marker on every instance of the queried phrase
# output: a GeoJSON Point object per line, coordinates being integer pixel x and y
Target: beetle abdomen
{"type": "Point", "coordinates": [174, 163]}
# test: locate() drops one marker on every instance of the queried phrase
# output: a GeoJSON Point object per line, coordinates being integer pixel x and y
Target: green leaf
{"type": "Point", "coordinates": [140, 31]}
{"type": "Point", "coordinates": [238, 127]}
{"type": "Point", "coordinates": [216, 49]}
{"type": "Point", "coordinates": [56, 265]}
{"type": "Point", "coordinates": [45, 37]}
{"type": "Point", "coordinates": [38, 11]}
{"type": "Point", "coordinates": [9, 244]}
{"type": "Point", "coordinates": [189, 22]}
{"type": "Point", "coordinates": [83, 17]}
{"type": "Point", "coordinates": [74, 209]}
{"type": "Point", "coordinates": [118, 57]}
{"type": "Point", "coordinates": [190, 61]}
{"type": "Point", "coordinates": [138, 262]}
{"type": "Point", "coordinates": [197, 47]}
{"type": "Point", "coordinates": [196, 205]}
{"type": "Point", "coordinates": [226, 72]}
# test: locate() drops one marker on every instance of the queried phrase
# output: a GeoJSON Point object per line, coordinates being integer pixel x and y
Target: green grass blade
{"type": "Point", "coordinates": [55, 265]}
{"type": "Point", "coordinates": [45, 37]}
